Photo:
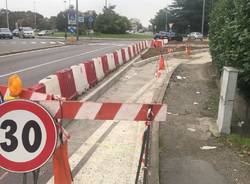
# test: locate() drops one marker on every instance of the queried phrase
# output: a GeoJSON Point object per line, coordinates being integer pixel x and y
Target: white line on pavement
{"type": "Point", "coordinates": [86, 146]}
{"type": "Point", "coordinates": [52, 62]}
{"type": "Point", "coordinates": [3, 176]}
{"type": "Point", "coordinates": [43, 42]}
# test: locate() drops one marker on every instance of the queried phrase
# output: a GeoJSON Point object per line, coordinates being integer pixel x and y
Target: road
{"type": "Point", "coordinates": [90, 140]}
{"type": "Point", "coordinates": [33, 66]}
{"type": "Point", "coordinates": [17, 44]}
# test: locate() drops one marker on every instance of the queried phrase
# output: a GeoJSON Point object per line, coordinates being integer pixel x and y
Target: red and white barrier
{"type": "Point", "coordinates": [52, 85]}
{"type": "Point", "coordinates": [67, 84]}
{"type": "Point", "coordinates": [40, 88]}
{"type": "Point", "coordinates": [134, 50]}
{"type": "Point", "coordinates": [105, 65]}
{"type": "Point", "coordinates": [80, 78]}
{"type": "Point", "coordinates": [117, 64]}
{"type": "Point", "coordinates": [91, 73]}
{"type": "Point", "coordinates": [120, 60]}
{"type": "Point", "coordinates": [104, 111]}
{"type": "Point", "coordinates": [131, 52]}
{"type": "Point", "coordinates": [26, 94]}
{"type": "Point", "coordinates": [111, 61]}
{"type": "Point", "coordinates": [99, 68]}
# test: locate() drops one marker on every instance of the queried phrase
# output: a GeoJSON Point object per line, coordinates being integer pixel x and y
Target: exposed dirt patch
{"type": "Point", "coordinates": [192, 105]}
{"type": "Point", "coordinates": [157, 51]}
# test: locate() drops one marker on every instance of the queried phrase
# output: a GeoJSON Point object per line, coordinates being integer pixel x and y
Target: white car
{"type": "Point", "coordinates": [26, 32]}
{"type": "Point", "coordinates": [195, 35]}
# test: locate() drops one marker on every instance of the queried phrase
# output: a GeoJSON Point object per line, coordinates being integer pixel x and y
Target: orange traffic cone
{"type": "Point", "coordinates": [61, 167]}
{"type": "Point", "coordinates": [162, 63]}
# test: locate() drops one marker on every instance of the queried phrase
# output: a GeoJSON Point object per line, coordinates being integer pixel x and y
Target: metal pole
{"type": "Point", "coordinates": [35, 12]}
{"type": "Point", "coordinates": [7, 14]}
{"type": "Point", "coordinates": [166, 20]}
{"type": "Point", "coordinates": [66, 20]}
{"type": "Point", "coordinates": [203, 17]}
{"type": "Point", "coordinates": [77, 25]}
{"type": "Point", "coordinates": [106, 3]}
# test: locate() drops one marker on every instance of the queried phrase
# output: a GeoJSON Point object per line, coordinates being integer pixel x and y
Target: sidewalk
{"type": "Point", "coordinates": [192, 99]}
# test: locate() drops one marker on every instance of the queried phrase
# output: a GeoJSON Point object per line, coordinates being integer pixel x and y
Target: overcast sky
{"type": "Point", "coordinates": [141, 9]}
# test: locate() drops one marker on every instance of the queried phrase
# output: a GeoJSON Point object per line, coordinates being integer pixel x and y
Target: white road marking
{"type": "Point", "coordinates": [52, 62]}
{"type": "Point", "coordinates": [3, 176]}
{"type": "Point", "coordinates": [86, 146]}
{"type": "Point", "coordinates": [31, 52]}
{"type": "Point", "coordinates": [43, 42]}
{"type": "Point", "coordinates": [33, 42]}
{"type": "Point", "coordinates": [61, 43]}
{"type": "Point", "coordinates": [52, 42]}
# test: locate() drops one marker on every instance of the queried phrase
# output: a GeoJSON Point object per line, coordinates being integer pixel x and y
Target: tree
{"type": "Point", "coordinates": [23, 18]}
{"type": "Point", "coordinates": [230, 39]}
{"type": "Point", "coordinates": [111, 22]}
{"type": "Point", "coordinates": [183, 13]}
{"type": "Point", "coordinates": [61, 20]}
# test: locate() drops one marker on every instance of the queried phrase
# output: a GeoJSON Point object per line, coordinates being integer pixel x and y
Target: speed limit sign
{"type": "Point", "coordinates": [28, 136]}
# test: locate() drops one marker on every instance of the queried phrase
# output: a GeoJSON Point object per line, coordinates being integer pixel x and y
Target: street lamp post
{"type": "Point", "coordinates": [166, 20]}
{"type": "Point", "coordinates": [7, 15]}
{"type": "Point", "coordinates": [203, 16]}
{"type": "Point", "coordinates": [77, 23]}
{"type": "Point", "coordinates": [66, 20]}
{"type": "Point", "coordinates": [34, 3]}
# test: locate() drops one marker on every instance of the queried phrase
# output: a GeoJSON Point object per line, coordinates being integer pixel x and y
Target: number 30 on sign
{"type": "Point", "coordinates": [28, 136]}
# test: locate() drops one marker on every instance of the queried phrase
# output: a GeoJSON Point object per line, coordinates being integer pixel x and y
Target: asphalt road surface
{"type": "Point", "coordinates": [17, 44]}
{"type": "Point", "coordinates": [86, 135]}
{"type": "Point", "coordinates": [33, 66]}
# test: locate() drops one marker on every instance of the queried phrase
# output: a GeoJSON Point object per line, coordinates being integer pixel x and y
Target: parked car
{"type": "Point", "coordinates": [168, 35]}
{"type": "Point", "coordinates": [15, 32]}
{"type": "Point", "coordinates": [43, 33]}
{"type": "Point", "coordinates": [5, 33]}
{"type": "Point", "coordinates": [195, 35]}
{"type": "Point", "coordinates": [26, 32]}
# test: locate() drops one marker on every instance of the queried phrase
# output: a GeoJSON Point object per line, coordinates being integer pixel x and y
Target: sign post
{"type": "Point", "coordinates": [28, 136]}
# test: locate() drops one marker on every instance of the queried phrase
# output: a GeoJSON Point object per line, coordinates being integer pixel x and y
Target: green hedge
{"type": "Point", "coordinates": [229, 35]}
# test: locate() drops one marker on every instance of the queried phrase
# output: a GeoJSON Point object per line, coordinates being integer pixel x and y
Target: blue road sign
{"type": "Point", "coordinates": [72, 17]}
{"type": "Point", "coordinates": [72, 29]}
{"type": "Point", "coordinates": [91, 19]}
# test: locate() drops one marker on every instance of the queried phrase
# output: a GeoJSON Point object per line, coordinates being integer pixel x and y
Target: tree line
{"type": "Point", "coordinates": [106, 22]}
{"type": "Point", "coordinates": [185, 14]}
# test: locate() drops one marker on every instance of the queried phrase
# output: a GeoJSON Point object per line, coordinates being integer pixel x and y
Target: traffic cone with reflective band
{"type": "Point", "coordinates": [162, 63]}
{"type": "Point", "coordinates": [188, 50]}
{"type": "Point", "coordinates": [61, 168]}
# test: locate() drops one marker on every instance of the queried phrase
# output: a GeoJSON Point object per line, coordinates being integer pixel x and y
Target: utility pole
{"type": "Point", "coordinates": [166, 20]}
{"type": "Point", "coordinates": [106, 3]}
{"type": "Point", "coordinates": [34, 3]}
{"type": "Point", "coordinates": [77, 24]}
{"type": "Point", "coordinates": [7, 14]}
{"type": "Point", "coordinates": [203, 16]}
{"type": "Point", "coordinates": [66, 19]}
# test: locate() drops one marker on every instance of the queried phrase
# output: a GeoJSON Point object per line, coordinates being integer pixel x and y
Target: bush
{"type": "Point", "coordinates": [229, 34]}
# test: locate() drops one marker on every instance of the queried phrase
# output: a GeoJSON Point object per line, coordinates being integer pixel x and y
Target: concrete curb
{"type": "Point", "coordinates": [154, 152]}
{"type": "Point", "coordinates": [151, 59]}
{"type": "Point", "coordinates": [96, 93]}
{"type": "Point", "coordinates": [154, 158]}
{"type": "Point", "coordinates": [28, 50]}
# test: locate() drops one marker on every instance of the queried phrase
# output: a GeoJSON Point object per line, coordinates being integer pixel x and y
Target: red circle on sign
{"type": "Point", "coordinates": [51, 138]}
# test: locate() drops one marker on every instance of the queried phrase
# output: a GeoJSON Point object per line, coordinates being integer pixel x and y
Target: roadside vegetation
{"type": "Point", "coordinates": [229, 36]}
